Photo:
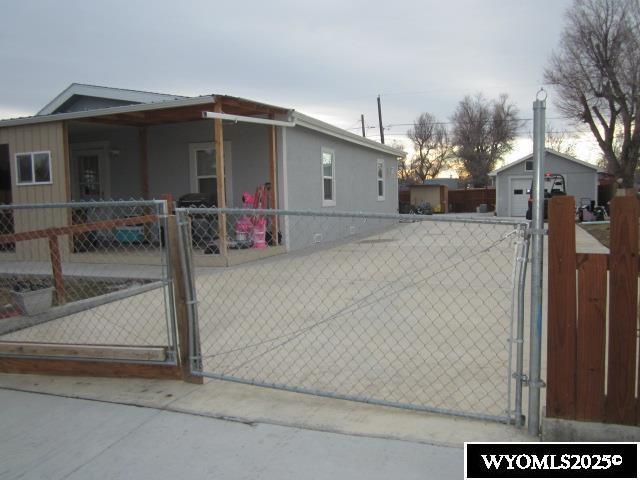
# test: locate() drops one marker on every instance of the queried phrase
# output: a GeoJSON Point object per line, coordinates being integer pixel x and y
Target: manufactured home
{"type": "Point", "coordinates": [94, 143]}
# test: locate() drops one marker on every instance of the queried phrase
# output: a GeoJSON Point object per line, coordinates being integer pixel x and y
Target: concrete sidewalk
{"type": "Point", "coordinates": [247, 403]}
{"type": "Point", "coordinates": [60, 438]}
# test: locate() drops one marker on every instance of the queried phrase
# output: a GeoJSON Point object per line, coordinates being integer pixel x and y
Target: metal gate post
{"type": "Point", "coordinates": [523, 259]}
{"type": "Point", "coordinates": [186, 260]}
{"type": "Point", "coordinates": [537, 230]}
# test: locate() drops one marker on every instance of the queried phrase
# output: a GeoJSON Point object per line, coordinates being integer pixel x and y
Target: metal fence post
{"type": "Point", "coordinates": [181, 299]}
{"type": "Point", "coordinates": [186, 244]}
{"type": "Point", "coordinates": [523, 258]}
{"type": "Point", "coordinates": [537, 230]}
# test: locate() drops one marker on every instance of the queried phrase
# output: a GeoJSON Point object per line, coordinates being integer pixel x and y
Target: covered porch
{"type": "Point", "coordinates": [141, 153]}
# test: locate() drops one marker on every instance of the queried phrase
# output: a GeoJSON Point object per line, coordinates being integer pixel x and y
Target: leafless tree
{"type": "Point", "coordinates": [432, 148]}
{"type": "Point", "coordinates": [404, 166]}
{"type": "Point", "coordinates": [559, 140]}
{"type": "Point", "coordinates": [483, 131]}
{"type": "Point", "coordinates": [596, 71]}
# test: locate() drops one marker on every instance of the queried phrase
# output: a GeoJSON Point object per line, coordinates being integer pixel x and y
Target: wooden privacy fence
{"type": "Point", "coordinates": [592, 364]}
{"type": "Point", "coordinates": [469, 199]}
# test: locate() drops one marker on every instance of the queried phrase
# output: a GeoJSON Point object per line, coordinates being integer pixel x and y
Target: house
{"type": "Point", "coordinates": [513, 181]}
{"type": "Point", "coordinates": [93, 143]}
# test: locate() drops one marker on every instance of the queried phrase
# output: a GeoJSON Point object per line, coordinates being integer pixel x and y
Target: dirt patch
{"type": "Point", "coordinates": [75, 289]}
{"type": "Point", "coordinates": [601, 232]}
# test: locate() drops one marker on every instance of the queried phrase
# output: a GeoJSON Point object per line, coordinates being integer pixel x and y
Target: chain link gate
{"type": "Point", "coordinates": [102, 271]}
{"type": "Point", "coordinates": [418, 312]}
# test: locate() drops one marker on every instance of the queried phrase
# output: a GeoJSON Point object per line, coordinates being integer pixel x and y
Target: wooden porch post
{"type": "Point", "coordinates": [144, 162]}
{"type": "Point", "coordinates": [273, 180]}
{"type": "Point", "coordinates": [220, 183]}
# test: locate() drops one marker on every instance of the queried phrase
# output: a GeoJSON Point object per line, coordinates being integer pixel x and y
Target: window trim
{"type": "Point", "coordinates": [33, 170]}
{"type": "Point", "coordinates": [332, 202]}
{"type": "Point", "coordinates": [379, 163]}
{"type": "Point", "coordinates": [525, 166]}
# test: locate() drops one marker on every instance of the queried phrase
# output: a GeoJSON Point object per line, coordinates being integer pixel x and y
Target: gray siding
{"type": "Point", "coordinates": [356, 185]}
{"type": "Point", "coordinates": [169, 156]}
{"type": "Point", "coordinates": [580, 180]}
{"type": "Point", "coordinates": [124, 168]}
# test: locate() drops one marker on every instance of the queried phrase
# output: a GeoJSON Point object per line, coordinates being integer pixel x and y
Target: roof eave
{"type": "Point", "coordinates": [303, 120]}
{"type": "Point", "coordinates": [547, 150]}
{"type": "Point", "coordinates": [139, 107]}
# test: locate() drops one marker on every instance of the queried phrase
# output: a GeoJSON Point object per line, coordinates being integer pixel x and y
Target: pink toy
{"type": "Point", "coordinates": [259, 232]}
{"type": "Point", "coordinates": [244, 225]}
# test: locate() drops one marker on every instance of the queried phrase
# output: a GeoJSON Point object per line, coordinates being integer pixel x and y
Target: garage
{"type": "Point", "coordinates": [513, 181]}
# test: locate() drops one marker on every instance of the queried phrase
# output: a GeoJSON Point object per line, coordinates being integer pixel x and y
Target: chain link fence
{"type": "Point", "coordinates": [92, 273]}
{"type": "Point", "coordinates": [401, 310]}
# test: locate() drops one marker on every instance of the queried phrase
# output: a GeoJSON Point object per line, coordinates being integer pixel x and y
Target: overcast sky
{"type": "Point", "coordinates": [328, 59]}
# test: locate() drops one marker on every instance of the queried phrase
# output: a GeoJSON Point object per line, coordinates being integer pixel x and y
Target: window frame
{"type": "Point", "coordinates": [33, 169]}
{"type": "Point", "coordinates": [228, 164]}
{"type": "Point", "coordinates": [525, 166]}
{"type": "Point", "coordinates": [332, 201]}
{"type": "Point", "coordinates": [383, 179]}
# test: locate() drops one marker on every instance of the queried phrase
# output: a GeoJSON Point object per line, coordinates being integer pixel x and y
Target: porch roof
{"type": "Point", "coordinates": [156, 113]}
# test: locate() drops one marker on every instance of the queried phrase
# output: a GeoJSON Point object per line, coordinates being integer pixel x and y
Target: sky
{"type": "Point", "coordinates": [328, 59]}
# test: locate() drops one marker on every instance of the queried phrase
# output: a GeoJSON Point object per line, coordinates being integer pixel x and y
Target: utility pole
{"type": "Point", "coordinates": [362, 122]}
{"type": "Point", "coordinates": [537, 236]}
{"type": "Point", "coordinates": [380, 121]}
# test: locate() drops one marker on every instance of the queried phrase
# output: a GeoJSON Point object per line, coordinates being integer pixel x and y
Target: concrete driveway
{"type": "Point", "coordinates": [418, 314]}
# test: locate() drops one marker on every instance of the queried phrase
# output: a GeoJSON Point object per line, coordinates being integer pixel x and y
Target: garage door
{"type": "Point", "coordinates": [519, 196]}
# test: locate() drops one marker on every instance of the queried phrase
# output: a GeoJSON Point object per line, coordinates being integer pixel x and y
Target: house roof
{"type": "Point", "coordinates": [548, 150]}
{"type": "Point", "coordinates": [81, 89]}
{"type": "Point", "coordinates": [328, 129]}
{"type": "Point", "coordinates": [150, 101]}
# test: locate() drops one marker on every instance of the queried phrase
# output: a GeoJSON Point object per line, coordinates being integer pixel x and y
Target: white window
{"type": "Point", "coordinates": [33, 168]}
{"type": "Point", "coordinates": [203, 176]}
{"type": "Point", "coordinates": [328, 178]}
{"type": "Point", "coordinates": [380, 168]}
{"type": "Point", "coordinates": [528, 166]}
{"type": "Point", "coordinates": [205, 171]}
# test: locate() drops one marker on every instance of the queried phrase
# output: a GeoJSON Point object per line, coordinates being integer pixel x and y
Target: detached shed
{"type": "Point", "coordinates": [513, 181]}
{"type": "Point", "coordinates": [434, 194]}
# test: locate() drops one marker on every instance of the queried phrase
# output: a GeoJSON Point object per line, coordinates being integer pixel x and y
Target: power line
{"type": "Point", "coordinates": [453, 123]}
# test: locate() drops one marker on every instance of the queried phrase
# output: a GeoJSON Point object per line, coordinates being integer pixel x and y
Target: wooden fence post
{"type": "Point", "coordinates": [623, 311]}
{"type": "Point", "coordinates": [56, 267]}
{"type": "Point", "coordinates": [561, 318]}
{"type": "Point", "coordinates": [180, 299]}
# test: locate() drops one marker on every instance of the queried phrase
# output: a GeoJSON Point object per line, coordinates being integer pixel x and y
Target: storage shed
{"type": "Point", "coordinates": [513, 181]}
{"type": "Point", "coordinates": [434, 194]}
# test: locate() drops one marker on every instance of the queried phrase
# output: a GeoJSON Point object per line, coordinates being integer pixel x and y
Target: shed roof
{"type": "Point", "coordinates": [548, 150]}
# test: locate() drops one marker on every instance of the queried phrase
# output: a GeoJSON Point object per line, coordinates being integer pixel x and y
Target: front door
{"type": "Point", "coordinates": [202, 168]}
{"type": "Point", "coordinates": [90, 174]}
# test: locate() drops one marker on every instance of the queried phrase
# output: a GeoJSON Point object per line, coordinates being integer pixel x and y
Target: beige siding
{"type": "Point", "coordinates": [31, 138]}
{"type": "Point", "coordinates": [429, 194]}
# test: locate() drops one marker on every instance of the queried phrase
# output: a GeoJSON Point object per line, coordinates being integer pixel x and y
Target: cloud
{"type": "Point", "coordinates": [329, 59]}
